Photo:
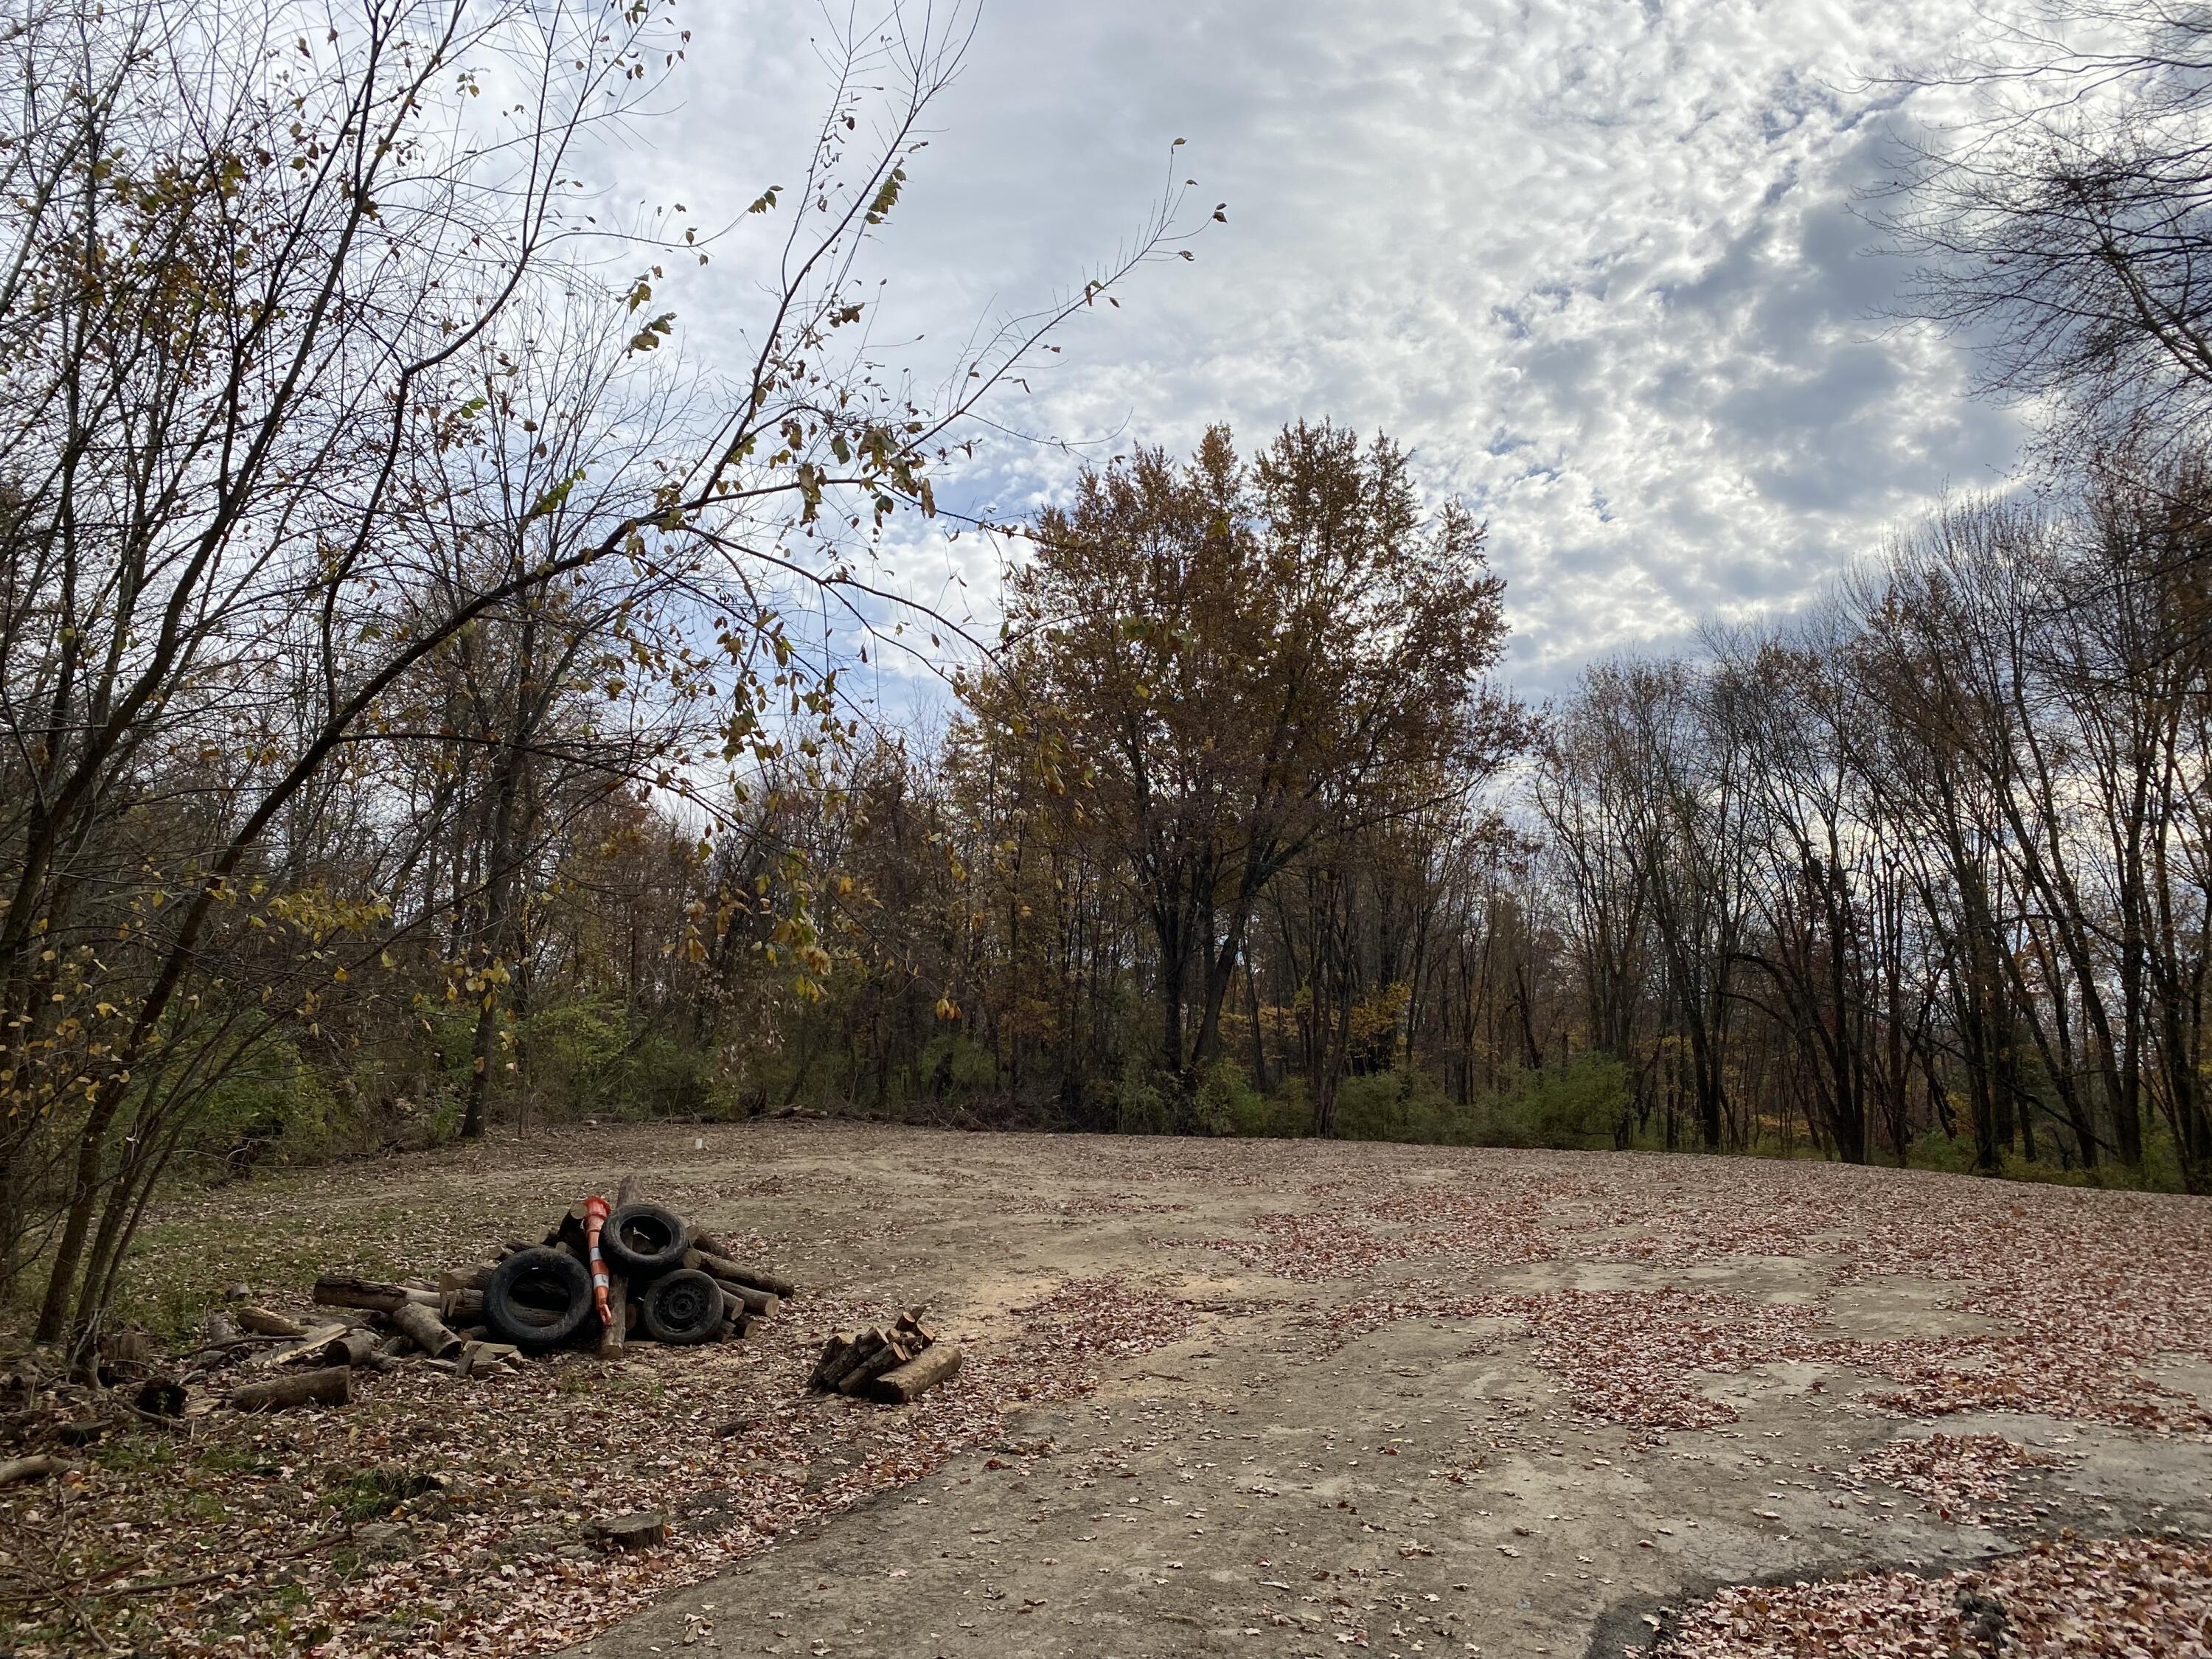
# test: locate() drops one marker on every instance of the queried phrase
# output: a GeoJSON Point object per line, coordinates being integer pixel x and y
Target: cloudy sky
{"type": "Point", "coordinates": [1598, 262]}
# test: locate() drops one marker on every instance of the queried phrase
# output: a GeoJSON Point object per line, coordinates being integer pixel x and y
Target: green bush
{"type": "Point", "coordinates": [1226, 1104]}
{"type": "Point", "coordinates": [1578, 1105]}
{"type": "Point", "coordinates": [956, 1063]}
{"type": "Point", "coordinates": [271, 1101]}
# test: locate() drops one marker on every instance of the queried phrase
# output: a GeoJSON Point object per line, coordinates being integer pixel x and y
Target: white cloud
{"type": "Point", "coordinates": [1594, 259]}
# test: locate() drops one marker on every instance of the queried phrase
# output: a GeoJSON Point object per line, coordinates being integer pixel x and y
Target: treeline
{"type": "Point", "coordinates": [422, 704]}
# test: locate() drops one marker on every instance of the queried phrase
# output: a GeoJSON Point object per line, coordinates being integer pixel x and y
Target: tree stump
{"type": "Point", "coordinates": [639, 1530]}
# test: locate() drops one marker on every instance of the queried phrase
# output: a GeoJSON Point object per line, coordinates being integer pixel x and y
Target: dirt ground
{"type": "Point", "coordinates": [1232, 1397]}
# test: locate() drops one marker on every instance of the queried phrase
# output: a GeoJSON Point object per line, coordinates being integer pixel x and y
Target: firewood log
{"type": "Point", "coordinates": [32, 1468]}
{"type": "Point", "coordinates": [833, 1352]}
{"type": "Point", "coordinates": [462, 1307]}
{"type": "Point", "coordinates": [425, 1330]}
{"type": "Point", "coordinates": [736, 1272]}
{"type": "Point", "coordinates": [474, 1277]}
{"type": "Point", "coordinates": [331, 1387]}
{"type": "Point", "coordinates": [744, 1296]}
{"type": "Point", "coordinates": [262, 1322]}
{"type": "Point", "coordinates": [863, 1344]}
{"type": "Point", "coordinates": [347, 1345]}
{"type": "Point", "coordinates": [890, 1356]}
{"type": "Point", "coordinates": [898, 1387]}
{"type": "Point", "coordinates": [343, 1291]}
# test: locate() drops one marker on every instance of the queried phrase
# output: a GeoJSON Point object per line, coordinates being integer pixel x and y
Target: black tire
{"type": "Point", "coordinates": [682, 1307]}
{"type": "Point", "coordinates": [538, 1298]}
{"type": "Point", "coordinates": [643, 1241]}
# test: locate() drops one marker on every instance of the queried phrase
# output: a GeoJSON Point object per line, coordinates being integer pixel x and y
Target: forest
{"type": "Point", "coordinates": [430, 705]}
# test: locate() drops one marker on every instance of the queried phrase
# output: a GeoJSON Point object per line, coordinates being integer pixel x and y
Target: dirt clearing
{"type": "Point", "coordinates": [1233, 1397]}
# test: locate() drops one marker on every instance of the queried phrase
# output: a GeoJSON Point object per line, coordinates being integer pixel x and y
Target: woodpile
{"type": "Point", "coordinates": [665, 1280]}
{"type": "Point", "coordinates": [891, 1367]}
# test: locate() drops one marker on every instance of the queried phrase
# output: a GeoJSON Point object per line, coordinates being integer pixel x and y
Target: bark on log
{"type": "Point", "coordinates": [615, 1331]}
{"type": "Point", "coordinates": [343, 1291]}
{"type": "Point", "coordinates": [32, 1468]}
{"type": "Point", "coordinates": [348, 1345]}
{"type": "Point", "coordinates": [890, 1356]}
{"type": "Point", "coordinates": [473, 1277]}
{"type": "Point", "coordinates": [746, 1297]}
{"type": "Point", "coordinates": [723, 1267]}
{"type": "Point", "coordinates": [899, 1386]}
{"type": "Point", "coordinates": [426, 1330]}
{"type": "Point", "coordinates": [462, 1307]}
{"type": "Point", "coordinates": [330, 1387]}
{"type": "Point", "coordinates": [832, 1352]}
{"type": "Point", "coordinates": [863, 1344]}
{"type": "Point", "coordinates": [262, 1322]}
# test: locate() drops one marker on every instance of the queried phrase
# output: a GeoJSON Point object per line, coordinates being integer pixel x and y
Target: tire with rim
{"type": "Point", "coordinates": [643, 1241]}
{"type": "Point", "coordinates": [538, 1298]}
{"type": "Point", "coordinates": [682, 1307]}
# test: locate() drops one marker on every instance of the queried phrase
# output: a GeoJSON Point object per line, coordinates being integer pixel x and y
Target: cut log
{"type": "Point", "coordinates": [331, 1387]}
{"type": "Point", "coordinates": [833, 1353]}
{"type": "Point", "coordinates": [913, 1332]}
{"type": "Point", "coordinates": [899, 1386]}
{"type": "Point", "coordinates": [746, 1297]}
{"type": "Point", "coordinates": [343, 1291]}
{"type": "Point", "coordinates": [426, 1330]}
{"type": "Point", "coordinates": [736, 1272]}
{"type": "Point", "coordinates": [620, 1314]}
{"type": "Point", "coordinates": [890, 1356]}
{"type": "Point", "coordinates": [462, 1307]}
{"type": "Point", "coordinates": [863, 1344]}
{"type": "Point", "coordinates": [474, 1277]}
{"type": "Point", "coordinates": [17, 1469]}
{"type": "Point", "coordinates": [347, 1345]}
{"type": "Point", "coordinates": [262, 1322]}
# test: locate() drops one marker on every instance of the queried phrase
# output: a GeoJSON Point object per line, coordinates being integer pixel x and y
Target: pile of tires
{"type": "Point", "coordinates": [668, 1282]}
